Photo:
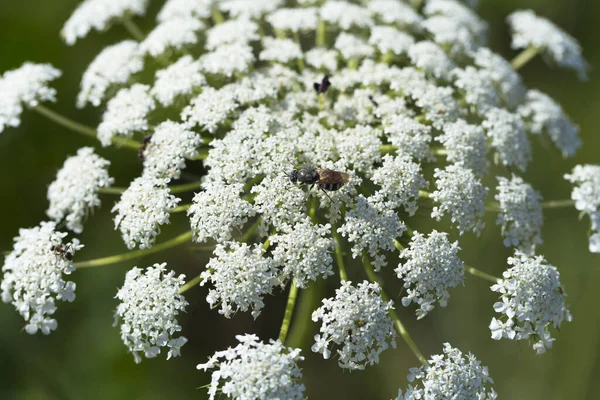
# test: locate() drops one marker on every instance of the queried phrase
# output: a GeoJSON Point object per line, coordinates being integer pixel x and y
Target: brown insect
{"type": "Point", "coordinates": [143, 146]}
{"type": "Point", "coordinates": [62, 251]}
{"type": "Point", "coordinates": [325, 179]}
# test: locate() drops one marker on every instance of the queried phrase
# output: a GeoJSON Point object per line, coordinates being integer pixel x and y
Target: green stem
{"type": "Point", "coordinates": [387, 149]}
{"type": "Point", "coordinates": [289, 311]}
{"type": "Point", "coordinates": [309, 300]}
{"type": "Point", "coordinates": [440, 152]}
{"type": "Point", "coordinates": [80, 128]}
{"type": "Point", "coordinates": [339, 255]}
{"type": "Point", "coordinates": [524, 57]}
{"type": "Point", "coordinates": [495, 206]}
{"type": "Point", "coordinates": [217, 16]}
{"type": "Point", "coordinates": [181, 208]}
{"type": "Point", "coordinates": [397, 323]}
{"type": "Point", "coordinates": [398, 245]}
{"type": "Point", "coordinates": [184, 237]}
{"type": "Point", "coordinates": [190, 284]}
{"type": "Point", "coordinates": [321, 33]}
{"type": "Point", "coordinates": [250, 232]}
{"type": "Point", "coordinates": [186, 187]}
{"type": "Point", "coordinates": [202, 155]}
{"type": "Point", "coordinates": [133, 29]}
{"type": "Point", "coordinates": [424, 194]}
{"type": "Point", "coordinates": [481, 274]}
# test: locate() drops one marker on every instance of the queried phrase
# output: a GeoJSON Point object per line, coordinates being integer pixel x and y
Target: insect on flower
{"type": "Point", "coordinates": [325, 179]}
{"type": "Point", "coordinates": [323, 86]}
{"type": "Point", "coordinates": [143, 146]}
{"type": "Point", "coordinates": [66, 252]}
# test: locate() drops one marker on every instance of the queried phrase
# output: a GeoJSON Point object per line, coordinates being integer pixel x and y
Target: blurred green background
{"type": "Point", "coordinates": [85, 358]}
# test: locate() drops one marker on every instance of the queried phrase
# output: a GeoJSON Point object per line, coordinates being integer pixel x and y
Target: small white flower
{"type": "Point", "coordinates": [532, 296]}
{"type": "Point", "coordinates": [180, 78]}
{"type": "Point", "coordinates": [432, 266]}
{"type": "Point", "coordinates": [509, 138]}
{"type": "Point", "coordinates": [228, 59]}
{"type": "Point", "coordinates": [236, 31]}
{"type": "Point", "coordinates": [351, 46]}
{"type": "Point", "coordinates": [586, 193]}
{"type": "Point", "coordinates": [389, 39]}
{"type": "Point", "coordinates": [409, 136]}
{"type": "Point", "coordinates": [466, 146]}
{"type": "Point", "coordinates": [126, 113]}
{"type": "Point", "coordinates": [280, 50]}
{"type": "Point", "coordinates": [280, 202]}
{"type": "Point", "coordinates": [400, 179]}
{"type": "Point", "coordinates": [545, 115]}
{"type": "Point", "coordinates": [254, 9]}
{"type": "Point", "coordinates": [450, 33]}
{"type": "Point", "coordinates": [199, 9]}
{"type": "Point", "coordinates": [294, 19]}
{"type": "Point", "coordinates": [509, 83]}
{"type": "Point", "coordinates": [175, 33]}
{"type": "Point", "coordinates": [150, 304]}
{"type": "Point", "coordinates": [359, 147]}
{"type": "Point", "coordinates": [520, 215]}
{"type": "Point", "coordinates": [99, 15]}
{"type": "Point", "coordinates": [372, 226]}
{"type": "Point", "coordinates": [210, 108]}
{"type": "Point", "coordinates": [429, 57]}
{"type": "Point", "coordinates": [169, 146]}
{"type": "Point", "coordinates": [345, 15]}
{"type": "Point", "coordinates": [33, 275]}
{"type": "Point", "coordinates": [27, 85]}
{"type": "Point", "coordinates": [113, 66]}
{"type": "Point", "coordinates": [304, 252]}
{"type": "Point", "coordinates": [479, 91]}
{"type": "Point", "coordinates": [529, 30]}
{"type": "Point", "coordinates": [142, 208]}
{"type": "Point", "coordinates": [357, 321]}
{"type": "Point", "coordinates": [395, 12]}
{"type": "Point", "coordinates": [450, 376]}
{"type": "Point", "coordinates": [322, 58]}
{"type": "Point", "coordinates": [254, 370]}
{"type": "Point", "coordinates": [463, 16]}
{"type": "Point", "coordinates": [460, 194]}
{"type": "Point", "coordinates": [74, 193]}
{"type": "Point", "coordinates": [241, 276]}
{"type": "Point", "coordinates": [217, 210]}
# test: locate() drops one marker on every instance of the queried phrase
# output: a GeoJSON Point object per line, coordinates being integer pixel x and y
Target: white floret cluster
{"type": "Point", "coordinates": [148, 310]}
{"type": "Point", "coordinates": [532, 301]}
{"type": "Point", "coordinates": [586, 195]}
{"type": "Point", "coordinates": [356, 320]}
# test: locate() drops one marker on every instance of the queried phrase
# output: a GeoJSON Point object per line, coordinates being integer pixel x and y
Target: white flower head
{"type": "Point", "coordinates": [389, 39]}
{"type": "Point", "coordinates": [586, 193]}
{"type": "Point", "coordinates": [507, 80]}
{"type": "Point", "coordinates": [254, 370]}
{"type": "Point", "coordinates": [304, 252]}
{"type": "Point", "coordinates": [280, 202]}
{"type": "Point", "coordinates": [240, 275]}
{"type": "Point", "coordinates": [532, 298]}
{"type": "Point", "coordinates": [294, 19]}
{"type": "Point", "coordinates": [450, 33]}
{"type": "Point", "coordinates": [279, 50]}
{"type": "Point", "coordinates": [594, 242]}
{"type": "Point", "coordinates": [26, 85]}
{"type": "Point", "coordinates": [546, 116]}
{"type": "Point", "coordinates": [400, 179]}
{"type": "Point", "coordinates": [458, 12]}
{"type": "Point", "coordinates": [352, 47]}
{"type": "Point", "coordinates": [143, 207]}
{"type": "Point", "coordinates": [410, 136]}
{"type": "Point", "coordinates": [200, 9]}
{"type": "Point", "coordinates": [147, 313]}
{"type": "Point", "coordinates": [99, 15]}
{"type": "Point", "coordinates": [180, 78]}
{"type": "Point", "coordinates": [113, 66]}
{"type": "Point", "coordinates": [477, 88]}
{"type": "Point", "coordinates": [169, 146]}
{"type": "Point", "coordinates": [509, 138]}
{"type": "Point", "coordinates": [357, 321]}
{"type": "Point", "coordinates": [460, 194]}
{"type": "Point", "coordinates": [126, 113]}
{"type": "Point", "coordinates": [359, 147]}
{"type": "Point", "coordinates": [556, 45]}
{"type": "Point", "coordinates": [520, 215]}
{"type": "Point", "coordinates": [33, 275]}
{"type": "Point", "coordinates": [450, 376]}
{"type": "Point", "coordinates": [429, 57]}
{"type": "Point", "coordinates": [372, 226]}
{"type": "Point", "coordinates": [210, 108]}
{"type": "Point", "coordinates": [249, 9]}
{"type": "Point", "coordinates": [432, 267]}
{"type": "Point", "coordinates": [322, 58]}
{"type": "Point", "coordinates": [396, 13]}
{"type": "Point", "coordinates": [236, 31]}
{"type": "Point", "coordinates": [228, 59]}
{"type": "Point", "coordinates": [345, 15]}
{"type": "Point", "coordinates": [466, 146]}
{"type": "Point", "coordinates": [74, 192]}
{"type": "Point", "coordinates": [217, 210]}
{"type": "Point", "coordinates": [173, 34]}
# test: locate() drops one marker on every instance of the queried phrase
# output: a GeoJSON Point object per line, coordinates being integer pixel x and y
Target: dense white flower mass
{"type": "Point", "coordinates": [34, 275]}
{"type": "Point", "coordinates": [520, 215]}
{"type": "Point", "coordinates": [143, 207]}
{"type": "Point", "coordinates": [228, 59]}
{"type": "Point", "coordinates": [280, 50]}
{"type": "Point", "coordinates": [217, 210]}
{"type": "Point", "coordinates": [479, 91]}
{"type": "Point", "coordinates": [294, 19]}
{"type": "Point", "coordinates": [586, 195]}
{"type": "Point", "coordinates": [429, 57]}
{"type": "Point", "coordinates": [240, 276]}
{"type": "Point", "coordinates": [560, 48]}
{"type": "Point", "coordinates": [546, 116]}
{"type": "Point", "coordinates": [26, 85]}
{"type": "Point", "coordinates": [371, 226]}
{"type": "Point", "coordinates": [508, 82]}
{"type": "Point", "coordinates": [303, 252]}
{"type": "Point", "coordinates": [460, 194]}
{"type": "Point", "coordinates": [280, 202]}
{"type": "Point", "coordinates": [353, 47]}
{"type": "Point", "coordinates": [185, 8]}
{"type": "Point", "coordinates": [395, 12]}
{"type": "Point", "coordinates": [388, 39]}
{"type": "Point", "coordinates": [509, 138]}
{"type": "Point", "coordinates": [466, 146]}
{"type": "Point", "coordinates": [99, 15]}
{"type": "Point", "coordinates": [254, 370]}
{"type": "Point", "coordinates": [450, 376]}
{"type": "Point", "coordinates": [532, 301]}
{"type": "Point", "coordinates": [126, 113]}
{"type": "Point", "coordinates": [179, 78]}
{"type": "Point", "coordinates": [432, 267]}
{"type": "Point", "coordinates": [345, 15]}
{"type": "Point", "coordinates": [74, 192]}
{"type": "Point", "coordinates": [175, 33]}
{"type": "Point", "coordinates": [242, 31]}
{"type": "Point", "coordinates": [210, 108]}
{"type": "Point", "coordinates": [148, 310]}
{"type": "Point", "coordinates": [356, 320]}
{"type": "Point", "coordinates": [249, 9]}
{"type": "Point", "coordinates": [113, 66]}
